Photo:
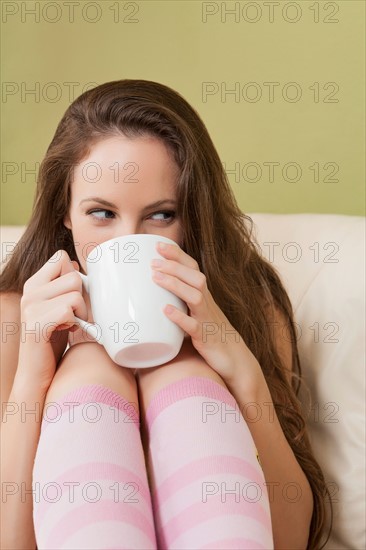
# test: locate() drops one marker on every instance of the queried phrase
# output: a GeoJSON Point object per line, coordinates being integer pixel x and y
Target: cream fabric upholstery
{"type": "Point", "coordinates": [321, 261]}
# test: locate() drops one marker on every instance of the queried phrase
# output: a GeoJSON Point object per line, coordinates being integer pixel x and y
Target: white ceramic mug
{"type": "Point", "coordinates": [127, 305]}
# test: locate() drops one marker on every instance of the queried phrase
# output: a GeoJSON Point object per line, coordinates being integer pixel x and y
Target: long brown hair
{"type": "Point", "coordinates": [214, 231]}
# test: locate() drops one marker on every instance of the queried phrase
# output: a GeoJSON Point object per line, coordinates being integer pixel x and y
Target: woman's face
{"type": "Point", "coordinates": [114, 191]}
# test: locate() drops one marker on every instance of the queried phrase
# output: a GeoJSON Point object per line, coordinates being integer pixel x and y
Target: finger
{"type": "Point", "coordinates": [193, 297]}
{"type": "Point", "coordinates": [63, 309]}
{"type": "Point", "coordinates": [188, 324]}
{"type": "Point", "coordinates": [68, 282]}
{"type": "Point", "coordinates": [57, 265]}
{"type": "Point", "coordinates": [186, 274]}
{"type": "Point", "coordinates": [174, 252]}
{"type": "Point", "coordinates": [59, 314]}
{"type": "Point", "coordinates": [68, 266]}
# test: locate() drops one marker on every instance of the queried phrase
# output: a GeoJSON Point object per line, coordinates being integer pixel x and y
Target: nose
{"type": "Point", "coordinates": [129, 227]}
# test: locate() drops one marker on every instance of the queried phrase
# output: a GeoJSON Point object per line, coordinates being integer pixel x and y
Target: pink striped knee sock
{"type": "Point", "coordinates": [90, 487]}
{"type": "Point", "coordinates": [207, 485]}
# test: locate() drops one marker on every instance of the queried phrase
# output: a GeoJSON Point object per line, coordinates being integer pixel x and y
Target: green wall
{"type": "Point", "coordinates": [295, 69]}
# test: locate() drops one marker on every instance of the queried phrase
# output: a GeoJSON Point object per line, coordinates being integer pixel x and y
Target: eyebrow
{"type": "Point", "coordinates": [111, 205]}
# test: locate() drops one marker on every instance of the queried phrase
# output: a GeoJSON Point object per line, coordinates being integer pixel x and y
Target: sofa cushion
{"type": "Point", "coordinates": [321, 261]}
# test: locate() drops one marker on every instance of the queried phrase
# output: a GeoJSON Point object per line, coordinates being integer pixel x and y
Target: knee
{"type": "Point", "coordinates": [89, 363]}
{"type": "Point", "coordinates": [187, 363]}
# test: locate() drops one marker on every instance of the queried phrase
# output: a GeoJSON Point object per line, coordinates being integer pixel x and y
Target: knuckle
{"type": "Point", "coordinates": [64, 256]}
{"type": "Point", "coordinates": [202, 281]}
{"type": "Point", "coordinates": [78, 303]}
{"type": "Point", "coordinates": [74, 279]}
{"type": "Point", "coordinates": [197, 330]}
{"type": "Point", "coordinates": [59, 256]}
{"type": "Point", "coordinates": [54, 258]}
{"type": "Point", "coordinates": [28, 284]}
{"type": "Point", "coordinates": [65, 311]}
{"type": "Point", "coordinates": [76, 297]}
{"type": "Point", "coordinates": [197, 299]}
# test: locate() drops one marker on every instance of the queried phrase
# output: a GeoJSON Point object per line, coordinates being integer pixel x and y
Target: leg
{"type": "Point", "coordinates": [89, 476]}
{"type": "Point", "coordinates": [187, 363]}
{"type": "Point", "coordinates": [206, 484]}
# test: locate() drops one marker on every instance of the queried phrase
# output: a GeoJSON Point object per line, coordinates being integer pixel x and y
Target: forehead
{"type": "Point", "coordinates": [138, 165]}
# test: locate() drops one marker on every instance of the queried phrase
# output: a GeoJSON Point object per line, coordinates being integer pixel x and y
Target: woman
{"type": "Point", "coordinates": [118, 149]}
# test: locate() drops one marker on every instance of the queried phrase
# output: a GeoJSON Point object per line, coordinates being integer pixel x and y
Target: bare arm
{"type": "Point", "coordinates": [20, 431]}
{"type": "Point", "coordinates": [290, 494]}
{"type": "Point", "coordinates": [28, 362]}
{"type": "Point", "coordinates": [19, 435]}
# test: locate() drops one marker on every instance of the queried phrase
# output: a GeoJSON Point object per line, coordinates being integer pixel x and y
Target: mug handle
{"type": "Point", "coordinates": [91, 329]}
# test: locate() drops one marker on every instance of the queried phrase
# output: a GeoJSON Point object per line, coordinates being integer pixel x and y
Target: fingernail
{"type": "Point", "coordinates": [162, 246]}
{"type": "Point", "coordinates": [156, 263]}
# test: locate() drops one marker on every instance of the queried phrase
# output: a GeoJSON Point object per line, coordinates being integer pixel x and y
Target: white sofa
{"type": "Point", "coordinates": [321, 260]}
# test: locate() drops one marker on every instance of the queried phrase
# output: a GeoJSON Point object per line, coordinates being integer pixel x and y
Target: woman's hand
{"type": "Point", "coordinates": [212, 334]}
{"type": "Point", "coordinates": [50, 298]}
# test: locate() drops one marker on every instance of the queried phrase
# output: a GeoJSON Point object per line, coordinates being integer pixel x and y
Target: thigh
{"type": "Point", "coordinates": [89, 363]}
{"type": "Point", "coordinates": [187, 363]}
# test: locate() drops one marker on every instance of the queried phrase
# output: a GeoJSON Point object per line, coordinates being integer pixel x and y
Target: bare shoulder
{"type": "Point", "coordinates": [10, 338]}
